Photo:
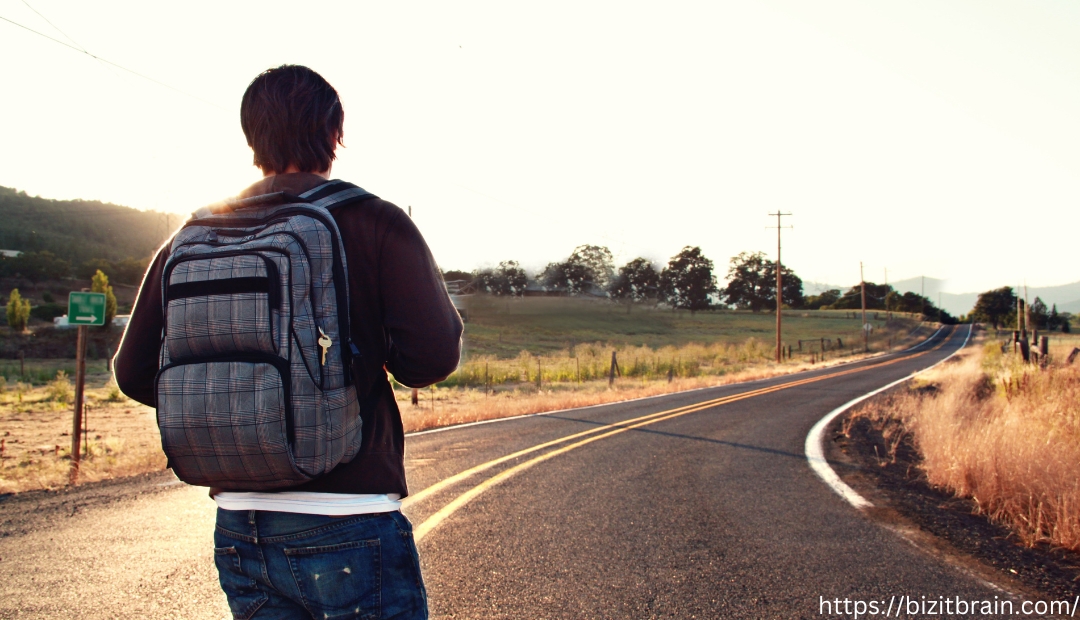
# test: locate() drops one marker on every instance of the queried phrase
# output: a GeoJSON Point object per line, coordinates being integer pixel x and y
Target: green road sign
{"type": "Point", "coordinates": [86, 308]}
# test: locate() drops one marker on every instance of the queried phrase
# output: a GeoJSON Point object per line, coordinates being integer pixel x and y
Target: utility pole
{"type": "Point", "coordinates": [865, 331]}
{"type": "Point", "coordinates": [922, 295]}
{"type": "Point", "coordinates": [888, 314]}
{"type": "Point", "coordinates": [779, 285]}
{"type": "Point", "coordinates": [1027, 312]}
{"type": "Point", "coordinates": [1019, 314]}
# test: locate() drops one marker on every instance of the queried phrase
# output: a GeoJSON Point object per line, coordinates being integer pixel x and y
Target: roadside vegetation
{"type": "Point", "coordinates": [1003, 433]}
{"type": "Point", "coordinates": [534, 354]}
{"type": "Point", "coordinates": [35, 427]}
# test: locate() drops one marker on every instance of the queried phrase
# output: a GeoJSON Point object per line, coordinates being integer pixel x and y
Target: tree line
{"type": "Point", "coordinates": [1000, 306]}
{"type": "Point", "coordinates": [44, 265]}
{"type": "Point", "coordinates": [687, 281]}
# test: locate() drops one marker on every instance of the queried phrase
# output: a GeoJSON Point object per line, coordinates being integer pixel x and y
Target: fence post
{"type": "Point", "coordinates": [614, 369]}
{"type": "Point", "coordinates": [1072, 355]}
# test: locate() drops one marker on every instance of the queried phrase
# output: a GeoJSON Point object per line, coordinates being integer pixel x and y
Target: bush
{"type": "Point", "coordinates": [47, 312]}
{"type": "Point", "coordinates": [100, 284]}
{"type": "Point", "coordinates": [59, 389]}
{"type": "Point", "coordinates": [18, 311]}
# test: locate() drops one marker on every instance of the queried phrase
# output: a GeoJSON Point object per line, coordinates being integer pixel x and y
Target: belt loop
{"type": "Point", "coordinates": [254, 527]}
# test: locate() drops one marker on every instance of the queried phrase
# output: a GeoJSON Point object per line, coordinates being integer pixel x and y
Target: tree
{"type": "Point", "coordinates": [506, 279]}
{"type": "Point", "coordinates": [688, 280]}
{"type": "Point", "coordinates": [875, 297]}
{"type": "Point", "coordinates": [995, 307]}
{"type": "Point", "coordinates": [589, 267]}
{"type": "Point", "coordinates": [100, 284]}
{"type": "Point", "coordinates": [793, 293]}
{"type": "Point", "coordinates": [1054, 320]}
{"type": "Point", "coordinates": [752, 283]}
{"type": "Point", "coordinates": [18, 311]}
{"type": "Point", "coordinates": [823, 299]}
{"type": "Point", "coordinates": [1039, 314]}
{"type": "Point", "coordinates": [38, 266]}
{"type": "Point", "coordinates": [637, 281]}
{"type": "Point", "coordinates": [749, 284]}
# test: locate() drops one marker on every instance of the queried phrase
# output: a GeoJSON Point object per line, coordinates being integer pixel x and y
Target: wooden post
{"type": "Point", "coordinates": [614, 369]}
{"type": "Point", "coordinates": [539, 374]}
{"type": "Point", "coordinates": [416, 397]}
{"type": "Point", "coordinates": [1044, 346]}
{"type": "Point", "coordinates": [1072, 355]}
{"type": "Point", "coordinates": [22, 366]}
{"type": "Point", "coordinates": [76, 426]}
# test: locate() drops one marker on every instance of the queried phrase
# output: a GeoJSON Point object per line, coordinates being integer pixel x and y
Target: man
{"type": "Point", "coordinates": [336, 546]}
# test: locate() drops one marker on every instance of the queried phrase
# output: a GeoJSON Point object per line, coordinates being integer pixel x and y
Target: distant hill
{"type": "Point", "coordinates": [1066, 296]}
{"type": "Point", "coordinates": [78, 230]}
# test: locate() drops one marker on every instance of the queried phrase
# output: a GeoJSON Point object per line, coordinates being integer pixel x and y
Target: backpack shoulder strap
{"type": "Point", "coordinates": [333, 194]}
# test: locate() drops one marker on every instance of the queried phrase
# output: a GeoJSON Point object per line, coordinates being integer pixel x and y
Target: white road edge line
{"type": "Point", "coordinates": [452, 427]}
{"type": "Point", "coordinates": [815, 439]}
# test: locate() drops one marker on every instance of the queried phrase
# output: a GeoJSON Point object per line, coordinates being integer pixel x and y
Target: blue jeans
{"type": "Point", "coordinates": [285, 565]}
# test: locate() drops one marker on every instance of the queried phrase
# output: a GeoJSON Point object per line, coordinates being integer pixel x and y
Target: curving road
{"type": "Point", "coordinates": [692, 505]}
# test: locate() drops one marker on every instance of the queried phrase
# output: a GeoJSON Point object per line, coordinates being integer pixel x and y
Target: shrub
{"type": "Point", "coordinates": [59, 389]}
{"type": "Point", "coordinates": [18, 311]}
{"type": "Point", "coordinates": [100, 284]}
{"type": "Point", "coordinates": [47, 312]}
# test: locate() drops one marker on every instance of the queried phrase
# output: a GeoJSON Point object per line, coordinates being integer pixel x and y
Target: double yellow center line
{"type": "Point", "coordinates": [596, 434]}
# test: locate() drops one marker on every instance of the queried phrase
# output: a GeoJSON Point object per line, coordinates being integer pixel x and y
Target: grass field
{"type": "Point", "coordinates": [503, 328]}
{"type": "Point", "coordinates": [559, 340]}
{"type": "Point", "coordinates": [568, 342]}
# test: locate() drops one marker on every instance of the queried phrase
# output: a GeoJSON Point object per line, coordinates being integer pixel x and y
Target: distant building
{"type": "Point", "coordinates": [10, 253]}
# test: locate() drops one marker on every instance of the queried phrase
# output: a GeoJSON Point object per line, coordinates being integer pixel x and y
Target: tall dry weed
{"type": "Point", "coordinates": [1003, 433]}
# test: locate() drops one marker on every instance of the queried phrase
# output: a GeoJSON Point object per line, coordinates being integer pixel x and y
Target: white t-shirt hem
{"type": "Point", "coordinates": [328, 504]}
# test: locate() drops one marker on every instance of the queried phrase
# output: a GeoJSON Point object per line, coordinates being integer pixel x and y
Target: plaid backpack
{"type": "Point", "coordinates": [254, 390]}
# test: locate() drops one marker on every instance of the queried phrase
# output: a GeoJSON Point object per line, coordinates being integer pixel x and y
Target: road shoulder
{"type": "Point", "coordinates": [939, 523]}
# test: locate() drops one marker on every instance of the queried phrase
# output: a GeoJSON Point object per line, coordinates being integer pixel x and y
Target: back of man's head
{"type": "Point", "coordinates": [291, 116]}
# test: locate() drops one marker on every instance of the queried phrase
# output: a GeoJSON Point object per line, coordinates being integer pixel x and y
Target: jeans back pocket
{"type": "Point", "coordinates": [339, 581]}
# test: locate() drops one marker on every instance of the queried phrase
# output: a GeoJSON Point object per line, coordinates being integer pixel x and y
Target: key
{"type": "Point", "coordinates": [325, 343]}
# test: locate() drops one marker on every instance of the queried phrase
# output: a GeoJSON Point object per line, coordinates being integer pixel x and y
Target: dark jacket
{"type": "Point", "coordinates": [401, 318]}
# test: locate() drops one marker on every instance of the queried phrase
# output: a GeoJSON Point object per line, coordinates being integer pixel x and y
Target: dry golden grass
{"type": "Point", "coordinates": [35, 427]}
{"type": "Point", "coordinates": [1001, 432]}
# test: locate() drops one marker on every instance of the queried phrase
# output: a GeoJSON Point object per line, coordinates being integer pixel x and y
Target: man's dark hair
{"type": "Point", "coordinates": [291, 115]}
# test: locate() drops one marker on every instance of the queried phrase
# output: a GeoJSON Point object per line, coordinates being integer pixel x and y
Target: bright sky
{"type": "Point", "coordinates": [927, 138]}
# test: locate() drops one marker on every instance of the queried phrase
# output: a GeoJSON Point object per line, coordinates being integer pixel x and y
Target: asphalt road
{"type": "Point", "coordinates": [692, 505]}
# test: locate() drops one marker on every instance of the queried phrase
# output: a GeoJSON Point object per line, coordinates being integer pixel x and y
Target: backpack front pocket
{"type": "Point", "coordinates": [226, 304]}
{"type": "Point", "coordinates": [228, 419]}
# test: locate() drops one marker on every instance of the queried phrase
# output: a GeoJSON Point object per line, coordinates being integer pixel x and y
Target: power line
{"type": "Point", "coordinates": [55, 27]}
{"type": "Point", "coordinates": [99, 58]}
{"type": "Point", "coordinates": [66, 36]}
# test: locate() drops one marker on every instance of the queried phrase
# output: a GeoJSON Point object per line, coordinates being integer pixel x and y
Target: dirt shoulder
{"type": "Point", "coordinates": [941, 524]}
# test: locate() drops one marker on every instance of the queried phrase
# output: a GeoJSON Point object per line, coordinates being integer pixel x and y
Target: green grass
{"type": "Point", "coordinates": [503, 328]}
{"type": "Point", "coordinates": [42, 371]}
{"type": "Point", "coordinates": [565, 340]}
